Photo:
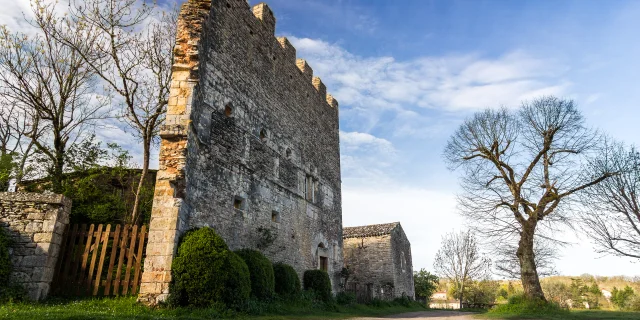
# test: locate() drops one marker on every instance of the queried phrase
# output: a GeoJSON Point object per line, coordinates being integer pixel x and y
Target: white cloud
{"type": "Point", "coordinates": [359, 140]}
{"type": "Point", "coordinates": [369, 86]}
{"type": "Point", "coordinates": [365, 159]}
{"type": "Point", "coordinates": [13, 15]}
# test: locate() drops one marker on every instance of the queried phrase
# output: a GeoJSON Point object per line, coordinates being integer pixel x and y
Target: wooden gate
{"type": "Point", "coordinates": [100, 260]}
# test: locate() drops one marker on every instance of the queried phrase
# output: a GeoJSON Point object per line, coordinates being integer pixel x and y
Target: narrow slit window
{"type": "Point", "coordinates": [310, 188]}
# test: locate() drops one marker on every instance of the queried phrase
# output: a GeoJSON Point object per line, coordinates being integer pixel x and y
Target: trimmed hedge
{"type": "Point", "coordinates": [318, 281]}
{"type": "Point", "coordinates": [205, 272]}
{"type": "Point", "coordinates": [287, 281]}
{"type": "Point", "coordinates": [260, 272]}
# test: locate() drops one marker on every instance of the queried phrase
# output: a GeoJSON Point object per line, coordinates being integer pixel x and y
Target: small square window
{"type": "Point", "coordinates": [275, 216]}
{"type": "Point", "coordinates": [238, 203]}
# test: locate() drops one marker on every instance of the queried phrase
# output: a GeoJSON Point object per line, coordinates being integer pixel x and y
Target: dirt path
{"type": "Point", "coordinates": [428, 315]}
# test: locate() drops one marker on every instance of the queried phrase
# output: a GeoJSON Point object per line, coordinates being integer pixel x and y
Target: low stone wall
{"type": "Point", "coordinates": [36, 223]}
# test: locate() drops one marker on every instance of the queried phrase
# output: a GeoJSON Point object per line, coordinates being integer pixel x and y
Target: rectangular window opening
{"type": "Point", "coordinates": [311, 189]}
{"type": "Point", "coordinates": [324, 263]}
{"type": "Point", "coordinates": [275, 216]}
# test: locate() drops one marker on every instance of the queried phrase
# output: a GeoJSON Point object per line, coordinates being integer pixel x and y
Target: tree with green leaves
{"type": "Point", "coordinates": [621, 297]}
{"type": "Point", "coordinates": [425, 284]}
{"type": "Point", "coordinates": [6, 170]}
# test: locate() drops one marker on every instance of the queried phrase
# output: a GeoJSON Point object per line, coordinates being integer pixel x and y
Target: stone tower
{"type": "Point", "coordinates": [250, 146]}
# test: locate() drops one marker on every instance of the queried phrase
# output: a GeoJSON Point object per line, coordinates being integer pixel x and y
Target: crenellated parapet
{"type": "Point", "coordinates": [265, 15]}
{"type": "Point", "coordinates": [193, 15]}
{"type": "Point", "coordinates": [289, 51]}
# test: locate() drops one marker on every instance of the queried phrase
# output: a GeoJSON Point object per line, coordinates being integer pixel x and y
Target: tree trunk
{"type": "Point", "coordinates": [461, 294]}
{"type": "Point", "coordinates": [143, 175]}
{"type": "Point", "coordinates": [58, 166]}
{"type": "Point", "coordinates": [528, 271]}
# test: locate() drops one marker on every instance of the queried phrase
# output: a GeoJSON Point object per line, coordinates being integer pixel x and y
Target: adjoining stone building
{"type": "Point", "coordinates": [379, 258]}
{"type": "Point", "coordinates": [250, 146]}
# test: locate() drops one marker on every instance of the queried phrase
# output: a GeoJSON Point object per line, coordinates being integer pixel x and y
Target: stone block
{"type": "Point", "coordinates": [42, 274]}
{"type": "Point", "coordinates": [43, 237]}
{"type": "Point", "coordinates": [34, 261]}
{"type": "Point", "coordinates": [36, 216]}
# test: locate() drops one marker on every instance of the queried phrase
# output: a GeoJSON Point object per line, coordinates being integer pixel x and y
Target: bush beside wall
{"type": "Point", "coordinates": [261, 273]}
{"type": "Point", "coordinates": [287, 282]}
{"type": "Point", "coordinates": [206, 273]}
{"type": "Point", "coordinates": [5, 260]}
{"type": "Point", "coordinates": [318, 281]}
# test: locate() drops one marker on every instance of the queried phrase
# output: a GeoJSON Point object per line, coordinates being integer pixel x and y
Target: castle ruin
{"type": "Point", "coordinates": [250, 146]}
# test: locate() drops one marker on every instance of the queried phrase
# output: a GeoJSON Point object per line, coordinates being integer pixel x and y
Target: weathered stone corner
{"type": "Point", "coordinates": [36, 222]}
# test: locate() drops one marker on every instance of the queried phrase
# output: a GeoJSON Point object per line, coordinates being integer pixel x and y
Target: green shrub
{"type": "Point", "coordinates": [345, 298]}
{"type": "Point", "coordinates": [287, 282]}
{"type": "Point", "coordinates": [403, 301]}
{"type": "Point", "coordinates": [206, 273]}
{"type": "Point", "coordinates": [379, 303]}
{"type": "Point", "coordinates": [8, 291]}
{"type": "Point", "coordinates": [318, 281]}
{"type": "Point", "coordinates": [261, 273]}
{"type": "Point", "coordinates": [5, 261]}
{"type": "Point", "coordinates": [519, 305]}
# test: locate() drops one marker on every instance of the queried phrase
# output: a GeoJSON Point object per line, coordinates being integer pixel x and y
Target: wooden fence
{"type": "Point", "coordinates": [100, 260]}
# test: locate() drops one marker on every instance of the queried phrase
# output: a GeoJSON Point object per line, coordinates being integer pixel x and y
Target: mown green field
{"type": "Point", "coordinates": [127, 308]}
{"type": "Point", "coordinates": [552, 312]}
{"type": "Point", "coordinates": [569, 315]}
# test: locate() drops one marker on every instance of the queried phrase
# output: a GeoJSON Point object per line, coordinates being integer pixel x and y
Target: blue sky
{"type": "Point", "coordinates": [408, 72]}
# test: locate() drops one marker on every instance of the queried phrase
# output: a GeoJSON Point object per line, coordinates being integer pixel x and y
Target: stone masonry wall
{"type": "Point", "coordinates": [403, 271]}
{"type": "Point", "coordinates": [382, 261]}
{"type": "Point", "coordinates": [36, 223]}
{"type": "Point", "coordinates": [250, 146]}
{"type": "Point", "coordinates": [371, 263]}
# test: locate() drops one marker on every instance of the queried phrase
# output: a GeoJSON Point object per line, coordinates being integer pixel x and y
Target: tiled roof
{"type": "Point", "coordinates": [369, 231]}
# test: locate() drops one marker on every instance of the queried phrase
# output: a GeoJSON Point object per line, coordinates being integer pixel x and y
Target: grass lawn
{"type": "Point", "coordinates": [127, 308]}
{"type": "Point", "coordinates": [565, 315]}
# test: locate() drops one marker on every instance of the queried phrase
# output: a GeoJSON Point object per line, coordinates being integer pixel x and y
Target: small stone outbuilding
{"type": "Point", "coordinates": [379, 258]}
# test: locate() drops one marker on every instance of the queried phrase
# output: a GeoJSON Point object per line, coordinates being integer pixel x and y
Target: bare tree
{"type": "Point", "coordinates": [613, 218]}
{"type": "Point", "coordinates": [50, 81]}
{"type": "Point", "coordinates": [129, 44]}
{"type": "Point", "coordinates": [459, 259]}
{"type": "Point", "coordinates": [520, 170]}
{"type": "Point", "coordinates": [16, 126]}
